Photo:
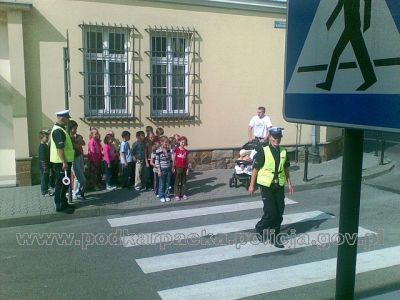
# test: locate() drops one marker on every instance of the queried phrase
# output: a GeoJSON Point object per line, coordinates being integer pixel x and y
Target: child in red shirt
{"type": "Point", "coordinates": [181, 169]}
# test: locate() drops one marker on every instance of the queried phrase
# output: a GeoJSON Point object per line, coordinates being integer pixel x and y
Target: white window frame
{"type": "Point", "coordinates": [171, 61]}
{"type": "Point", "coordinates": [108, 58]}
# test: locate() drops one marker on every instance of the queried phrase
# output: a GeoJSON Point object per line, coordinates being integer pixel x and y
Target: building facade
{"type": "Point", "coordinates": [196, 68]}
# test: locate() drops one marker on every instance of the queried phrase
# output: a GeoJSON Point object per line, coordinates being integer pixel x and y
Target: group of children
{"type": "Point", "coordinates": [155, 162]}
{"type": "Point", "coordinates": [152, 162]}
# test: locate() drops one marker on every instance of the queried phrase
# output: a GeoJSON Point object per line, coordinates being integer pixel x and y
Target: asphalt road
{"type": "Point", "coordinates": [82, 264]}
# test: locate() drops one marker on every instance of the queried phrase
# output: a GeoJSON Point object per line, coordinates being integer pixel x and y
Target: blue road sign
{"type": "Point", "coordinates": [343, 63]}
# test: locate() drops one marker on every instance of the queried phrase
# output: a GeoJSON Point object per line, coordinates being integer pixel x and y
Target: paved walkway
{"type": "Point", "coordinates": [25, 205]}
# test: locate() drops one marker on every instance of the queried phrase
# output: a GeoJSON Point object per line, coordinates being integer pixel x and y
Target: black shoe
{"type": "Point", "coordinates": [82, 195]}
{"type": "Point", "coordinates": [70, 206]}
{"type": "Point", "coordinates": [65, 210]}
{"type": "Point", "coordinates": [260, 238]}
{"type": "Point", "coordinates": [68, 210]}
{"type": "Point", "coordinates": [278, 243]}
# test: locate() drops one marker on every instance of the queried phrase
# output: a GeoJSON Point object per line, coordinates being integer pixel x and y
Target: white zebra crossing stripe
{"type": "Point", "coordinates": [187, 213]}
{"type": "Point", "coordinates": [280, 279]}
{"type": "Point", "coordinates": [152, 238]}
{"type": "Point", "coordinates": [322, 238]}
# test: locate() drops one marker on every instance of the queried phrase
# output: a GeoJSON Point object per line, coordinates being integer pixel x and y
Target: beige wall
{"type": "Point", "coordinates": [242, 67]}
{"type": "Point", "coordinates": [4, 56]}
{"type": "Point", "coordinates": [7, 151]}
{"type": "Point", "coordinates": [17, 76]}
{"type": "Point", "coordinates": [330, 133]}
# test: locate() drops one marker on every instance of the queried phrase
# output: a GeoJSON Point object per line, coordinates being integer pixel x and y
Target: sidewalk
{"type": "Point", "coordinates": [25, 205]}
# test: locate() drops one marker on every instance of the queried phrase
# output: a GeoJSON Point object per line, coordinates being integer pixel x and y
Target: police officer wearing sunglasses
{"type": "Point", "coordinates": [271, 172]}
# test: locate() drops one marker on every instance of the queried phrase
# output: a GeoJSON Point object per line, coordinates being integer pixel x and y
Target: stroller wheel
{"type": "Point", "coordinates": [236, 182]}
{"type": "Point", "coordinates": [247, 184]}
{"type": "Point", "coordinates": [231, 182]}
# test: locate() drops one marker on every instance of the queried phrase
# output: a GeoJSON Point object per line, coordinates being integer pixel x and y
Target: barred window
{"type": "Point", "coordinates": [172, 67]}
{"type": "Point", "coordinates": [108, 75]}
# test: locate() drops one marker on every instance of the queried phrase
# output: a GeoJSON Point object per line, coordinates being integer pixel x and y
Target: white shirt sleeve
{"type": "Point", "coordinates": [252, 121]}
{"type": "Point", "coordinates": [269, 123]}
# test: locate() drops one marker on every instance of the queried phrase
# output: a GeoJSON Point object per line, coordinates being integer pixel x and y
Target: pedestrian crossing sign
{"type": "Point", "coordinates": [343, 63]}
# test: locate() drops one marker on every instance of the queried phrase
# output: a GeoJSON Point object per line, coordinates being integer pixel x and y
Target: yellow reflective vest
{"type": "Point", "coordinates": [69, 151]}
{"type": "Point", "coordinates": [265, 175]}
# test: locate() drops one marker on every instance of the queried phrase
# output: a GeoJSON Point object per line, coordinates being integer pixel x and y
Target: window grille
{"type": "Point", "coordinates": [174, 80]}
{"type": "Point", "coordinates": [108, 60]}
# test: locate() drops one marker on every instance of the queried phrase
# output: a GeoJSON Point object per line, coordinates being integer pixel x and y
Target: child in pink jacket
{"type": "Point", "coordinates": [94, 158]}
{"type": "Point", "coordinates": [110, 162]}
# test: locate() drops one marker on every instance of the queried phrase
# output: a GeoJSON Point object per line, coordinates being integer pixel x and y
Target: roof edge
{"type": "Point", "coordinates": [15, 5]}
{"type": "Point", "coordinates": [250, 5]}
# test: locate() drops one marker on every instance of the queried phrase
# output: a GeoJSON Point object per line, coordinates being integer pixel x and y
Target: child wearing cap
{"type": "Point", "coordinates": [245, 154]}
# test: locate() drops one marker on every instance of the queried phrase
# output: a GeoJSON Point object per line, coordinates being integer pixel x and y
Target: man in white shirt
{"type": "Point", "coordinates": [259, 125]}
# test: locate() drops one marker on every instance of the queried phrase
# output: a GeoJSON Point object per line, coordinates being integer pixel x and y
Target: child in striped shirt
{"type": "Point", "coordinates": [164, 166]}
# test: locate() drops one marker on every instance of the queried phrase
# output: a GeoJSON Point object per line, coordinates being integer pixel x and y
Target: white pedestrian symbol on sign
{"type": "Point", "coordinates": [359, 51]}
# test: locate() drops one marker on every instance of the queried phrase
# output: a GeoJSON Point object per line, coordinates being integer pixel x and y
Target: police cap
{"type": "Point", "coordinates": [63, 113]}
{"type": "Point", "coordinates": [276, 132]}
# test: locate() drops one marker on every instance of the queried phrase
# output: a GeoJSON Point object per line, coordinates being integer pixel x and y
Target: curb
{"type": "Point", "coordinates": [333, 180]}
{"type": "Point", "coordinates": [327, 181]}
{"type": "Point", "coordinates": [107, 211]}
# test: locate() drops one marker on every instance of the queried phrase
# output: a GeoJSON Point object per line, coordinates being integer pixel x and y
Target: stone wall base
{"type": "Point", "coordinates": [24, 171]}
{"type": "Point", "coordinates": [331, 150]}
{"type": "Point", "coordinates": [201, 160]}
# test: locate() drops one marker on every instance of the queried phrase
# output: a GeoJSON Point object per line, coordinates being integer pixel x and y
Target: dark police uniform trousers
{"type": "Point", "coordinates": [61, 189]}
{"type": "Point", "coordinates": [273, 198]}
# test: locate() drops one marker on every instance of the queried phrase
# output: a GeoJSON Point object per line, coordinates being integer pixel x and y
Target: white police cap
{"type": "Point", "coordinates": [63, 113]}
{"type": "Point", "coordinates": [276, 132]}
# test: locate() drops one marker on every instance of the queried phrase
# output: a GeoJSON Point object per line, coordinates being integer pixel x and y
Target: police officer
{"type": "Point", "coordinates": [61, 156]}
{"type": "Point", "coordinates": [271, 171]}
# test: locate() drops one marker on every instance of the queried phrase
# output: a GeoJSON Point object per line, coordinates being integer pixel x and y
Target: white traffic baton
{"type": "Point", "coordinates": [66, 180]}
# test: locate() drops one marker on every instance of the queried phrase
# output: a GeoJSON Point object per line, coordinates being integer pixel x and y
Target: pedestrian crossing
{"type": "Point", "coordinates": [239, 250]}
{"type": "Point", "coordinates": [235, 240]}
{"type": "Point", "coordinates": [206, 230]}
{"type": "Point", "coordinates": [277, 279]}
{"type": "Point", "coordinates": [187, 213]}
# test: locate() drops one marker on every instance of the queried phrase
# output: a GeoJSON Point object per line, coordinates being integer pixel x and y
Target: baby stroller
{"type": "Point", "coordinates": [244, 165]}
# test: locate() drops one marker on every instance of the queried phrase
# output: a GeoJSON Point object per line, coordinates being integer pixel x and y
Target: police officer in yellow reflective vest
{"type": "Point", "coordinates": [61, 156]}
{"type": "Point", "coordinates": [271, 172]}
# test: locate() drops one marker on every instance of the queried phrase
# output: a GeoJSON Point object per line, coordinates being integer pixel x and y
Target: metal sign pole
{"type": "Point", "coordinates": [66, 97]}
{"type": "Point", "coordinates": [349, 213]}
{"type": "Point", "coordinates": [66, 89]}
